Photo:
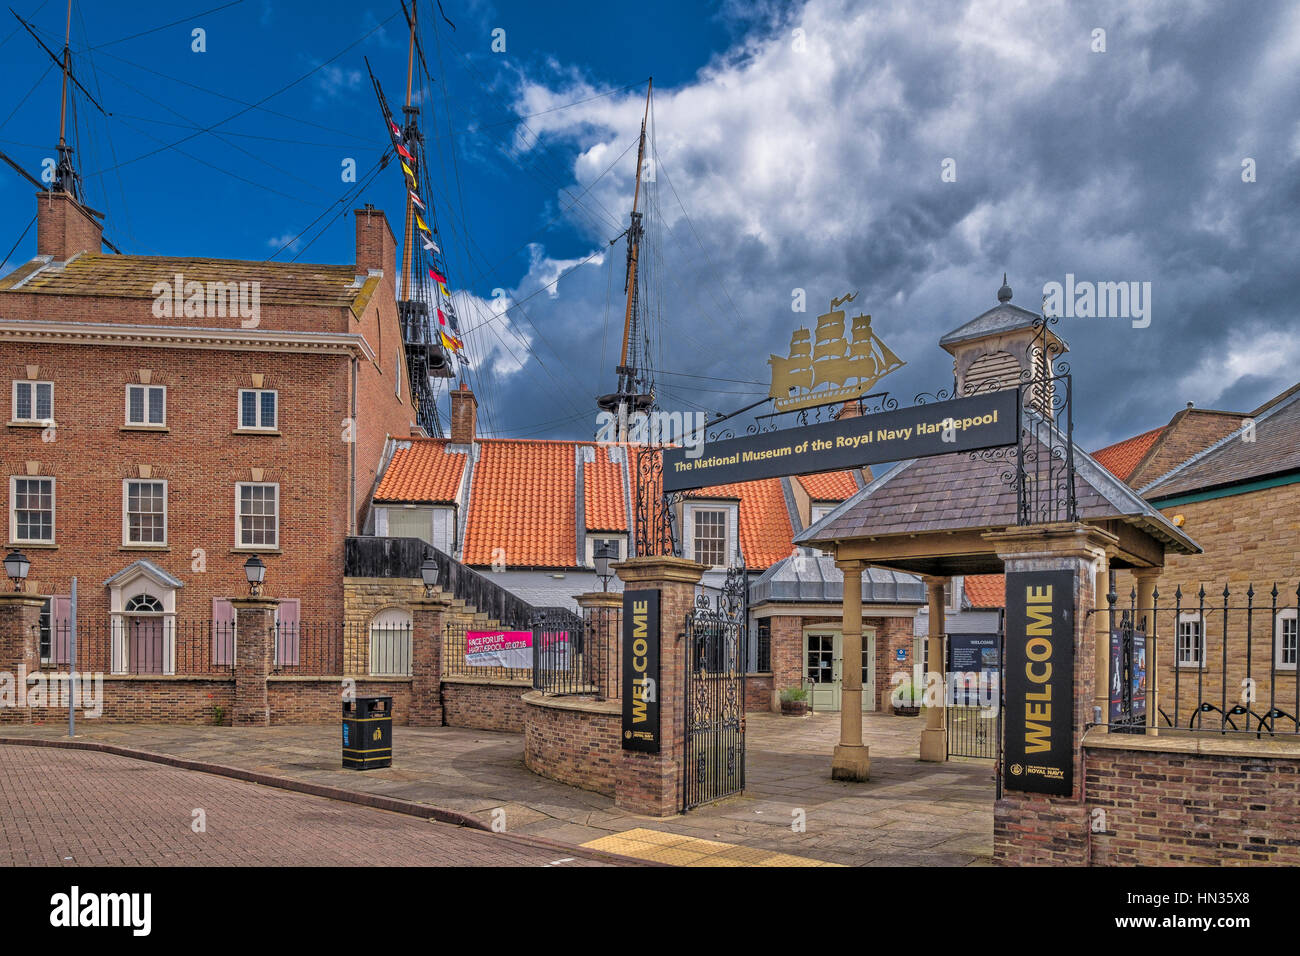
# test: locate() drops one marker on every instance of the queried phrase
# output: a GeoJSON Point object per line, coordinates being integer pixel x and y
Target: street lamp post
{"type": "Point", "coordinates": [255, 571]}
{"type": "Point", "coordinates": [604, 554]}
{"type": "Point", "coordinates": [16, 567]}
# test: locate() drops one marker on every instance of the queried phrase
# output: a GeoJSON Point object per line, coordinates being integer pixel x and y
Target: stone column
{"type": "Point", "coordinates": [934, 735]}
{"type": "Point", "coordinates": [603, 640]}
{"type": "Point", "coordinates": [20, 653]}
{"type": "Point", "coordinates": [254, 647]}
{"type": "Point", "coordinates": [1031, 829]}
{"type": "Point", "coordinates": [427, 616]}
{"type": "Point", "coordinates": [851, 759]}
{"type": "Point", "coordinates": [651, 784]}
{"type": "Point", "coordinates": [1101, 647]}
{"type": "Point", "coordinates": [1146, 588]}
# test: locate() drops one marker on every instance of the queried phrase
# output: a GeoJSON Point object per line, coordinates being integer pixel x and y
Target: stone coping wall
{"type": "Point", "coordinates": [484, 703]}
{"type": "Point", "coordinates": [574, 740]}
{"type": "Point", "coordinates": [1186, 800]}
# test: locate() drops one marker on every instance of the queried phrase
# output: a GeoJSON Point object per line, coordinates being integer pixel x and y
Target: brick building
{"type": "Point", "coordinates": [170, 417]}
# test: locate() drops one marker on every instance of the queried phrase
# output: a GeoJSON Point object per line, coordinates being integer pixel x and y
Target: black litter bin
{"type": "Point", "coordinates": [368, 733]}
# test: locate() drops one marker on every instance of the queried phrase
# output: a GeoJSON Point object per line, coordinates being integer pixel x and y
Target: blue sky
{"type": "Point", "coordinates": [800, 145]}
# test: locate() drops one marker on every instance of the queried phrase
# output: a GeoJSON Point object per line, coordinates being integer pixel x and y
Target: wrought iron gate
{"type": "Point", "coordinates": [713, 762]}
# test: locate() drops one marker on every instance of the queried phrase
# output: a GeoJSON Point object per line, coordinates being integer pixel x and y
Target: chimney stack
{"type": "Point", "coordinates": [464, 416]}
{"type": "Point", "coordinates": [376, 246]}
{"type": "Point", "coordinates": [64, 227]}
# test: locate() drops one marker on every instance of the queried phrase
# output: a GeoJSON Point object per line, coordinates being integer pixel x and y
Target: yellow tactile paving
{"type": "Point", "coordinates": [658, 846]}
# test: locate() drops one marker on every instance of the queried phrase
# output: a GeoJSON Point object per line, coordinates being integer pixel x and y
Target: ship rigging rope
{"type": "Point", "coordinates": [555, 109]}
{"type": "Point", "coordinates": [18, 243]}
{"type": "Point", "coordinates": [269, 96]}
{"type": "Point", "coordinates": [344, 200]}
{"type": "Point", "coordinates": [174, 23]}
{"type": "Point", "coordinates": [16, 30]}
{"type": "Point", "coordinates": [27, 95]}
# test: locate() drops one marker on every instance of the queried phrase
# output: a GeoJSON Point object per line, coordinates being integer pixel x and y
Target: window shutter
{"type": "Point", "coordinates": [223, 633]}
{"type": "Point", "coordinates": [286, 632]}
{"type": "Point", "coordinates": [61, 624]}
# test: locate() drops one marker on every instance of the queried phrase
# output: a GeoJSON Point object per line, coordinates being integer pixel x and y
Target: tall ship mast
{"type": "Point", "coordinates": [635, 381]}
{"type": "Point", "coordinates": [430, 326]}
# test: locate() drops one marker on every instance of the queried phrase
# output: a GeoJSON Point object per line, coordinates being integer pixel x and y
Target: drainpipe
{"type": "Point", "coordinates": [352, 455]}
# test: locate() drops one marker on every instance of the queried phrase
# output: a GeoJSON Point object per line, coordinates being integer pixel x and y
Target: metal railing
{"type": "Point", "coordinates": [578, 655]}
{"type": "Point", "coordinates": [142, 646]}
{"type": "Point", "coordinates": [1222, 664]}
{"type": "Point", "coordinates": [163, 647]}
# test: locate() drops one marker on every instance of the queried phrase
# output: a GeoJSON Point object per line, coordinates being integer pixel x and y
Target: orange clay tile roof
{"type": "Point", "coordinates": [604, 504]}
{"type": "Point", "coordinates": [1121, 458]}
{"type": "Point", "coordinates": [829, 485]}
{"type": "Point", "coordinates": [765, 533]}
{"type": "Point", "coordinates": [522, 502]}
{"type": "Point", "coordinates": [279, 283]}
{"type": "Point", "coordinates": [423, 472]}
{"type": "Point", "coordinates": [986, 590]}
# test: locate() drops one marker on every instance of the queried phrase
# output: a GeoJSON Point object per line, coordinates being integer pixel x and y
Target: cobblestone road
{"type": "Point", "coordinates": [76, 808]}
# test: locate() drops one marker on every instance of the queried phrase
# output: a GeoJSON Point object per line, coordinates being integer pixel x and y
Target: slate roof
{"type": "Point", "coordinates": [133, 277]}
{"type": "Point", "coordinates": [955, 492]}
{"type": "Point", "coordinates": [815, 578]}
{"type": "Point", "coordinates": [1232, 460]}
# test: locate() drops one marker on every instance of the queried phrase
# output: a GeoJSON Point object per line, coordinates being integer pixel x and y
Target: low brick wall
{"type": "Point", "coordinates": [151, 700]}
{"type": "Point", "coordinates": [1193, 800]}
{"type": "Point", "coordinates": [573, 740]}
{"type": "Point", "coordinates": [188, 700]}
{"type": "Point", "coordinates": [319, 700]}
{"type": "Point", "coordinates": [484, 703]}
{"type": "Point", "coordinates": [758, 692]}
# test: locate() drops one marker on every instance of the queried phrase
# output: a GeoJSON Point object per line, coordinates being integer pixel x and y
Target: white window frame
{"type": "Point", "coordinates": [726, 530]}
{"type": "Point", "coordinates": [33, 418]}
{"type": "Point", "coordinates": [619, 542]}
{"type": "Point", "coordinates": [13, 511]}
{"type": "Point", "coordinates": [260, 426]}
{"type": "Point", "coordinates": [126, 514]}
{"type": "Point", "coordinates": [145, 423]}
{"type": "Point", "coordinates": [239, 543]}
{"type": "Point", "coordinates": [1180, 661]}
{"type": "Point", "coordinates": [1283, 615]}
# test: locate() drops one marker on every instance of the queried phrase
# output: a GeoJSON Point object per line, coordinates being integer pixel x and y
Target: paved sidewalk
{"type": "Point", "coordinates": [909, 813]}
{"type": "Point", "coordinates": [78, 808]}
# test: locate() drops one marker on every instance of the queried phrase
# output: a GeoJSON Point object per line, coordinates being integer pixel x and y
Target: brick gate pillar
{"type": "Point", "coordinates": [934, 735]}
{"type": "Point", "coordinates": [254, 647]}
{"type": "Point", "coordinates": [20, 655]}
{"type": "Point", "coordinates": [604, 639]}
{"type": "Point", "coordinates": [1031, 829]}
{"type": "Point", "coordinates": [651, 784]}
{"type": "Point", "coordinates": [427, 616]}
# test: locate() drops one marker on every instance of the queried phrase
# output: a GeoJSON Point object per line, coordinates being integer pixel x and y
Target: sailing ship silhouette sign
{"type": "Point", "coordinates": [836, 368]}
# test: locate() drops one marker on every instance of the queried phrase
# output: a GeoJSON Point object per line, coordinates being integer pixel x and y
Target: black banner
{"type": "Point", "coordinates": [966, 424]}
{"type": "Point", "coordinates": [641, 671]}
{"type": "Point", "coordinates": [1038, 755]}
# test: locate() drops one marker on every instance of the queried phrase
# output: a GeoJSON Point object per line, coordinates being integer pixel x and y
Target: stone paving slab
{"type": "Point", "coordinates": [909, 813]}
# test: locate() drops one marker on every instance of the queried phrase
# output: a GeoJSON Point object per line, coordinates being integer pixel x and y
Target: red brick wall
{"type": "Point", "coordinates": [787, 652]}
{"type": "Point", "coordinates": [186, 701]}
{"type": "Point", "coordinates": [579, 747]}
{"type": "Point", "coordinates": [201, 459]}
{"type": "Point", "coordinates": [484, 706]}
{"type": "Point", "coordinates": [758, 692]}
{"type": "Point", "coordinates": [892, 633]}
{"type": "Point", "coordinates": [1175, 809]}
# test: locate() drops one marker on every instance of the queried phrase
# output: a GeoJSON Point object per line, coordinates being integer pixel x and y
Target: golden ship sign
{"type": "Point", "coordinates": [836, 368]}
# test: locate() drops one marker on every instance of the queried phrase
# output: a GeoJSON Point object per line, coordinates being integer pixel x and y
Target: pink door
{"type": "Point", "coordinates": [223, 633]}
{"type": "Point", "coordinates": [146, 645]}
{"type": "Point", "coordinates": [61, 629]}
{"type": "Point", "coordinates": [287, 639]}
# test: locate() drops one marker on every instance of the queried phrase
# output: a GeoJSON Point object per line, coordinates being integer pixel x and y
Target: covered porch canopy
{"type": "Point", "coordinates": [950, 515]}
